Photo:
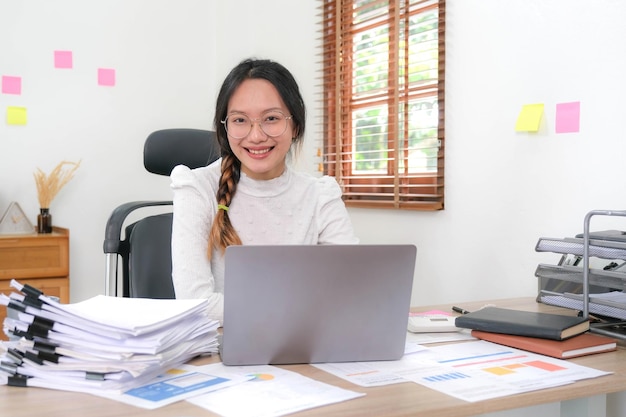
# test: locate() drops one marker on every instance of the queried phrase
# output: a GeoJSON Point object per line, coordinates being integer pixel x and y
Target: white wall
{"type": "Point", "coordinates": [503, 189]}
{"type": "Point", "coordinates": [164, 56]}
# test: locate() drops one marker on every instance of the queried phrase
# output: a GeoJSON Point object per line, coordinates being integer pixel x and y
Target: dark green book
{"type": "Point", "coordinates": [523, 323]}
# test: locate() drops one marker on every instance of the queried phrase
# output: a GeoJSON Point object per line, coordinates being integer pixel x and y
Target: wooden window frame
{"type": "Point", "coordinates": [398, 188]}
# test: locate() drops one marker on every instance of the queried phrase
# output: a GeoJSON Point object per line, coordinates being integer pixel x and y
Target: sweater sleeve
{"type": "Point", "coordinates": [335, 226]}
{"type": "Point", "coordinates": [194, 208]}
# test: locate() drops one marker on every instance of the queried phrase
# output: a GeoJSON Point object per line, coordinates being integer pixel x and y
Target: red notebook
{"type": "Point", "coordinates": [581, 345]}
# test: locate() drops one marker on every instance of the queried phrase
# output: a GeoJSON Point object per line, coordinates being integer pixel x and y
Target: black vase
{"type": "Point", "coordinates": [44, 221]}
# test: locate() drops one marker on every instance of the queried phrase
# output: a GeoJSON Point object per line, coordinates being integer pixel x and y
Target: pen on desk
{"type": "Point", "coordinates": [459, 310]}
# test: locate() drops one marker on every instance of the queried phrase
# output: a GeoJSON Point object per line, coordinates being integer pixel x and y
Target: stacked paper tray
{"type": "Point", "coordinates": [562, 284]}
{"type": "Point", "coordinates": [575, 246]}
{"type": "Point", "coordinates": [611, 304]}
{"type": "Point", "coordinates": [586, 288]}
{"type": "Point", "coordinates": [599, 277]}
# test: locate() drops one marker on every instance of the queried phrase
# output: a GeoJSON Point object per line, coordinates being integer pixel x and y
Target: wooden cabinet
{"type": "Point", "coordinates": [40, 260]}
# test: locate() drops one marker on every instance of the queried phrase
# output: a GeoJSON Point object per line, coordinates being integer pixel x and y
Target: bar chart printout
{"type": "Point", "coordinates": [481, 370]}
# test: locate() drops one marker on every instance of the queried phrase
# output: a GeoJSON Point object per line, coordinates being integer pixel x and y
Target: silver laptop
{"type": "Point", "coordinates": [310, 304]}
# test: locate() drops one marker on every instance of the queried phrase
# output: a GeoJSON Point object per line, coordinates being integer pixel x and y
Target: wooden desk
{"type": "Point", "coordinates": [407, 399]}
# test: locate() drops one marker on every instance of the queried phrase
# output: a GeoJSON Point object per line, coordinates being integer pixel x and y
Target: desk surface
{"type": "Point", "coordinates": [407, 399]}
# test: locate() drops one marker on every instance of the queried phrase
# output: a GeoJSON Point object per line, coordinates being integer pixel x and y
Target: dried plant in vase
{"type": "Point", "coordinates": [48, 186]}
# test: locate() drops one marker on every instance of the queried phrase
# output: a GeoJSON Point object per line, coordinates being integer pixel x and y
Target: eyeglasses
{"type": "Point", "coordinates": [239, 125]}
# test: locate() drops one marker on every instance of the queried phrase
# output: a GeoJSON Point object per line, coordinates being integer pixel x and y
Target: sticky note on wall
{"type": "Point", "coordinates": [11, 85]}
{"type": "Point", "coordinates": [106, 77]}
{"type": "Point", "coordinates": [63, 59]}
{"type": "Point", "coordinates": [16, 115]}
{"type": "Point", "coordinates": [568, 117]}
{"type": "Point", "coordinates": [529, 118]}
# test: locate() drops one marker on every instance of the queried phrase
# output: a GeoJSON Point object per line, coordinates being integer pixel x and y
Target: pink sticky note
{"type": "Point", "coordinates": [11, 85]}
{"type": "Point", "coordinates": [429, 313]}
{"type": "Point", "coordinates": [63, 59]}
{"type": "Point", "coordinates": [106, 76]}
{"type": "Point", "coordinates": [568, 117]}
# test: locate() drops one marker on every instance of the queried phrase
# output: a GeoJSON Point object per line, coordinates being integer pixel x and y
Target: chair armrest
{"type": "Point", "coordinates": [113, 229]}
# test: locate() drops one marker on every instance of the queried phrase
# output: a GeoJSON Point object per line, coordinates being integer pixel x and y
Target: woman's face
{"type": "Point", "coordinates": [262, 153]}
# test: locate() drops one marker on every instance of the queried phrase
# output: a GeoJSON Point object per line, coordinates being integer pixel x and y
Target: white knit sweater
{"type": "Point", "coordinates": [294, 208]}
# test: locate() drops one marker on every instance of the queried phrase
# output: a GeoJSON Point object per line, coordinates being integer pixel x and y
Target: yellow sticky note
{"type": "Point", "coordinates": [16, 115]}
{"type": "Point", "coordinates": [529, 118]}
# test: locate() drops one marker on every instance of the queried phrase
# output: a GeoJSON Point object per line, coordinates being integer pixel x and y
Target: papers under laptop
{"type": "Point", "coordinates": [312, 304]}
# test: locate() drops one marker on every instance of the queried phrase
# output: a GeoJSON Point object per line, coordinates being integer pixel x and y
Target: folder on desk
{"type": "Point", "coordinates": [523, 323]}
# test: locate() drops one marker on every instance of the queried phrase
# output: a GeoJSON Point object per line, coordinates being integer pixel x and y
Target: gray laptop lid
{"type": "Point", "coordinates": [322, 303]}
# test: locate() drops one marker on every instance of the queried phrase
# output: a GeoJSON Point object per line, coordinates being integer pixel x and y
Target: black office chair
{"type": "Point", "coordinates": [146, 249]}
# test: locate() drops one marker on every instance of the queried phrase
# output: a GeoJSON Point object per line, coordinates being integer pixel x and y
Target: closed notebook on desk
{"type": "Point", "coordinates": [523, 323]}
{"type": "Point", "coordinates": [311, 304]}
{"type": "Point", "coordinates": [581, 345]}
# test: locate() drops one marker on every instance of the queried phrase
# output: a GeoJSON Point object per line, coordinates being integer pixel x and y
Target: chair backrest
{"type": "Point", "coordinates": [146, 249]}
{"type": "Point", "coordinates": [150, 262]}
{"type": "Point", "coordinates": [164, 149]}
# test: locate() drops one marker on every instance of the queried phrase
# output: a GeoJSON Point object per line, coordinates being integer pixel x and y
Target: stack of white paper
{"type": "Point", "coordinates": [104, 343]}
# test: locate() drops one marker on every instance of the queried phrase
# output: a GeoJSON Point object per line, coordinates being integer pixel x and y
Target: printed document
{"type": "Point", "coordinates": [471, 371]}
{"type": "Point", "coordinates": [271, 392]}
{"type": "Point", "coordinates": [177, 384]}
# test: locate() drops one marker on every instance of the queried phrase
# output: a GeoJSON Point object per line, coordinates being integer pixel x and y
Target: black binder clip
{"type": "Point", "coordinates": [17, 306]}
{"type": "Point", "coordinates": [31, 291]}
{"type": "Point", "coordinates": [94, 376]}
{"type": "Point", "coordinates": [32, 302]}
{"type": "Point", "coordinates": [33, 357]}
{"type": "Point", "coordinates": [44, 347]}
{"type": "Point", "coordinates": [37, 329]}
{"type": "Point", "coordinates": [21, 333]}
{"type": "Point", "coordinates": [17, 380]}
{"type": "Point", "coordinates": [15, 355]}
{"type": "Point", "coordinates": [9, 367]}
{"type": "Point", "coordinates": [49, 357]}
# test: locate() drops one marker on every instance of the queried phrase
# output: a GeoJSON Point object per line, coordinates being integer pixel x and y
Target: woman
{"type": "Point", "coordinates": [251, 195]}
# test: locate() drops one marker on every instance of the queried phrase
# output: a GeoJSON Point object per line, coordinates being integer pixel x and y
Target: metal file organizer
{"type": "Point", "coordinates": [574, 283]}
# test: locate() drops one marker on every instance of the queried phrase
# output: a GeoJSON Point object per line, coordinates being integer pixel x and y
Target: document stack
{"type": "Point", "coordinates": [103, 344]}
